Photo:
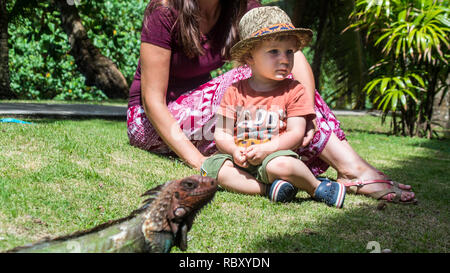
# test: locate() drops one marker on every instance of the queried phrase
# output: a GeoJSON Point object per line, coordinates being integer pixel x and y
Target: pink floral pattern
{"type": "Point", "coordinates": [194, 112]}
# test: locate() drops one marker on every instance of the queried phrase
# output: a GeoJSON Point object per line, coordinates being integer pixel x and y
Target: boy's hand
{"type": "Point", "coordinates": [256, 153]}
{"type": "Point", "coordinates": [239, 157]}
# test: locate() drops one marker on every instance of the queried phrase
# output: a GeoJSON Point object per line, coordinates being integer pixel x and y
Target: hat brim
{"type": "Point", "coordinates": [304, 35]}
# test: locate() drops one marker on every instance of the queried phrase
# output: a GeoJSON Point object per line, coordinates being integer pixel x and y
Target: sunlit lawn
{"type": "Point", "coordinates": [60, 176]}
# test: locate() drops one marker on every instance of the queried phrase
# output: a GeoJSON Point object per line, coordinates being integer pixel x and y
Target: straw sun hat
{"type": "Point", "coordinates": [263, 22]}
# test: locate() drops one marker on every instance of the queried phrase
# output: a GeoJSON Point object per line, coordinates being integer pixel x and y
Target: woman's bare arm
{"type": "Point", "coordinates": [155, 65]}
{"type": "Point", "coordinates": [302, 72]}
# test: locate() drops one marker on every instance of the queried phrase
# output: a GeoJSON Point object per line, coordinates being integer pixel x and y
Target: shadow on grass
{"type": "Point", "coordinates": [400, 228]}
{"type": "Point", "coordinates": [386, 133]}
{"type": "Point", "coordinates": [364, 131]}
{"type": "Point", "coordinates": [441, 145]}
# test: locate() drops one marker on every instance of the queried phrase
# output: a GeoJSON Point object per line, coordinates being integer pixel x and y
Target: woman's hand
{"type": "Point", "coordinates": [311, 128]}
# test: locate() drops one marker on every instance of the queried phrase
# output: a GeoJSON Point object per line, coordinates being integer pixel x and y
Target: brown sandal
{"type": "Point", "coordinates": [354, 187]}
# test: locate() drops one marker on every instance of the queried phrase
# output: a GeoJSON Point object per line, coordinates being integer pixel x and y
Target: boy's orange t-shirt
{"type": "Point", "coordinates": [258, 116]}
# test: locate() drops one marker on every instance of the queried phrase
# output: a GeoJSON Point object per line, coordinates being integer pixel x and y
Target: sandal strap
{"type": "Point", "coordinates": [360, 183]}
{"type": "Point", "coordinates": [354, 186]}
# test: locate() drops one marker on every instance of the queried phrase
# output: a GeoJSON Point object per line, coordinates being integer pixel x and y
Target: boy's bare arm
{"type": "Point", "coordinates": [292, 138]}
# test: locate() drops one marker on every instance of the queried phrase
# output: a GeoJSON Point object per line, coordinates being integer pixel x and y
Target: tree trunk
{"type": "Point", "coordinates": [362, 70]}
{"type": "Point", "coordinates": [296, 10]}
{"type": "Point", "coordinates": [431, 93]}
{"type": "Point", "coordinates": [320, 45]}
{"type": "Point", "coordinates": [5, 89]}
{"type": "Point", "coordinates": [96, 68]}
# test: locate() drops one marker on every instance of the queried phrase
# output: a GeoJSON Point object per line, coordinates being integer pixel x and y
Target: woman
{"type": "Point", "coordinates": [173, 99]}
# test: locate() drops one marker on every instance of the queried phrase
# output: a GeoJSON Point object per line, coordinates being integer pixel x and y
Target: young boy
{"type": "Point", "coordinates": [262, 119]}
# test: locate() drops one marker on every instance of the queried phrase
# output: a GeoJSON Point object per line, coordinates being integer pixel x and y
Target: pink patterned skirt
{"type": "Point", "coordinates": [194, 112]}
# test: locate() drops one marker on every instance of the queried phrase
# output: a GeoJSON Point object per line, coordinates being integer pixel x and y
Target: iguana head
{"type": "Point", "coordinates": [174, 206]}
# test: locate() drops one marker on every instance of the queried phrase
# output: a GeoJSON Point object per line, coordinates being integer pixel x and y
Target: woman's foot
{"type": "Point", "coordinates": [373, 182]}
{"type": "Point", "coordinates": [352, 168]}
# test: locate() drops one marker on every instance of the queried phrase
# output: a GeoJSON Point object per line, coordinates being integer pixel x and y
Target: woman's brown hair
{"type": "Point", "coordinates": [189, 31]}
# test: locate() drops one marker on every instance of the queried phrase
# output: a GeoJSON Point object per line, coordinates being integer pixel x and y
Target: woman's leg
{"type": "Point", "coordinates": [329, 147]}
{"type": "Point", "coordinates": [352, 166]}
{"type": "Point", "coordinates": [194, 112]}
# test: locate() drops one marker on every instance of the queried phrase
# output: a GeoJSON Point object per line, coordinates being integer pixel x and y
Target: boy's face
{"type": "Point", "coordinates": [273, 59]}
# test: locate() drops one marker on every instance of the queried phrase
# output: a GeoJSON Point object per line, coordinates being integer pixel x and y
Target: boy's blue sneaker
{"type": "Point", "coordinates": [281, 191]}
{"type": "Point", "coordinates": [330, 192]}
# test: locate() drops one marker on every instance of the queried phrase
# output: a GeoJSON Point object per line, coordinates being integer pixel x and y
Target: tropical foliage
{"type": "Point", "coordinates": [412, 37]}
{"type": "Point", "coordinates": [338, 58]}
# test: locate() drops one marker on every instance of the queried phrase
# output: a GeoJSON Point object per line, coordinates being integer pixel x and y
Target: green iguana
{"type": "Point", "coordinates": [162, 222]}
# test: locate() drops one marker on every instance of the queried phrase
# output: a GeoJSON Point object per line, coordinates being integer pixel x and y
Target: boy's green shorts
{"type": "Point", "coordinates": [212, 165]}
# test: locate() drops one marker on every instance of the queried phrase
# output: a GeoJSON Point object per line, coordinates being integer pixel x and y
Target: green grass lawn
{"type": "Point", "coordinates": [60, 176]}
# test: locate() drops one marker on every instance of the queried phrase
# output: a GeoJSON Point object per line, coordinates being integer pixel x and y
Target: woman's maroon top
{"type": "Point", "coordinates": [185, 73]}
